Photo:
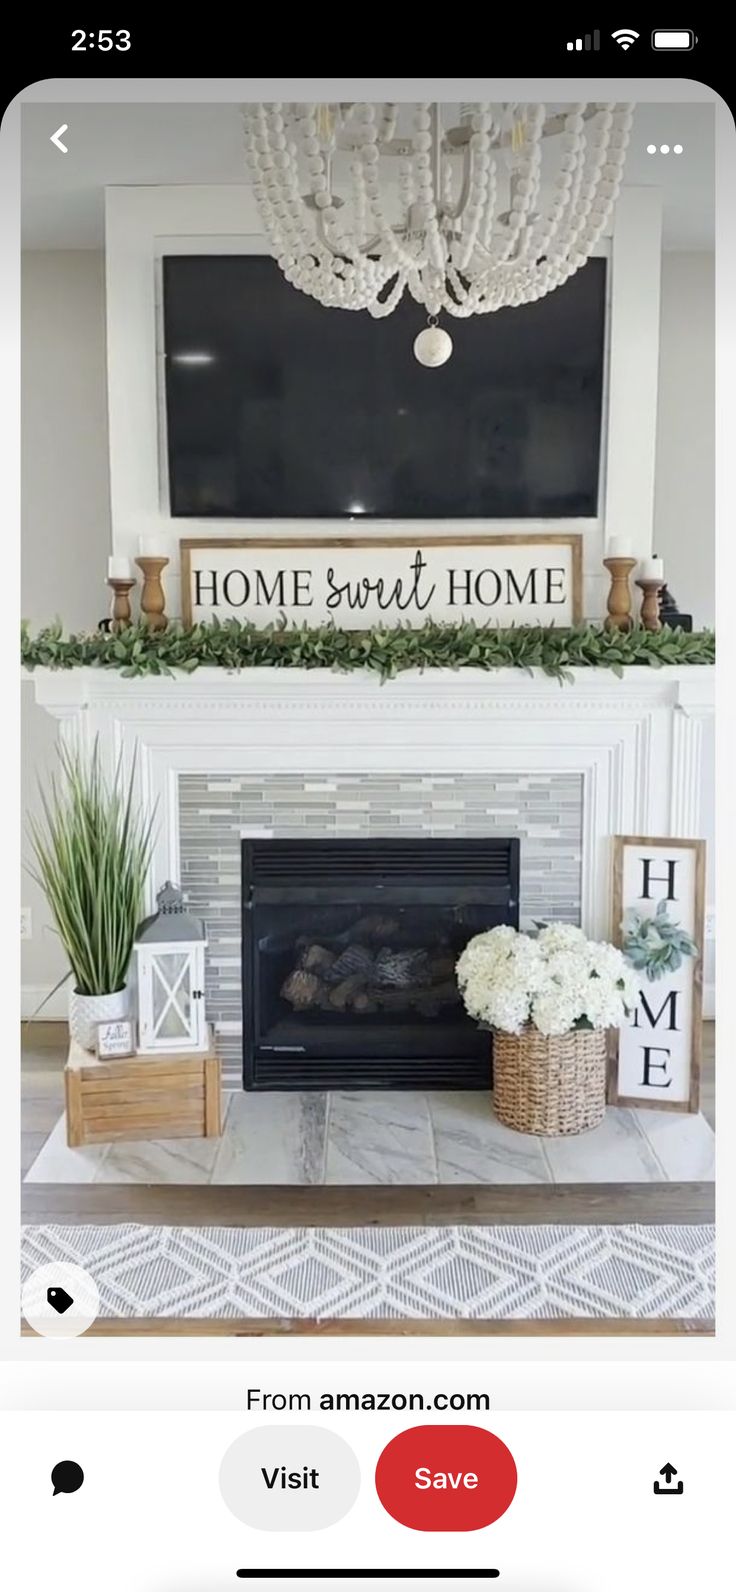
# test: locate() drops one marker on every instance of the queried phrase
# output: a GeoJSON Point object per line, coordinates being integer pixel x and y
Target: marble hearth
{"type": "Point", "coordinates": [564, 766]}
{"type": "Point", "coordinates": [398, 1138]}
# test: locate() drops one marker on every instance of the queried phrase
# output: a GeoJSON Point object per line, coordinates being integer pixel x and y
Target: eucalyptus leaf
{"type": "Point", "coordinates": [234, 645]}
{"type": "Point", "coordinates": [655, 944]}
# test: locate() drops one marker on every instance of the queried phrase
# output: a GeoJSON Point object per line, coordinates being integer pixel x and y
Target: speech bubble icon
{"type": "Point", "coordinates": [67, 1476]}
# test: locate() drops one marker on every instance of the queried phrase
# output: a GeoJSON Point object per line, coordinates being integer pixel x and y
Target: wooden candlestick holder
{"type": "Point", "coordinates": [120, 610]}
{"type": "Point", "coordinates": [153, 600]}
{"type": "Point", "coordinates": [619, 595]}
{"type": "Point", "coordinates": [650, 615]}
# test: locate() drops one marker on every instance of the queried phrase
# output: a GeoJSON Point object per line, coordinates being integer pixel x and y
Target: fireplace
{"type": "Point", "coordinates": [348, 956]}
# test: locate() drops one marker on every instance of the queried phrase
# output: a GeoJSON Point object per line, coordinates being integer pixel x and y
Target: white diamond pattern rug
{"type": "Point", "coordinates": [410, 1273]}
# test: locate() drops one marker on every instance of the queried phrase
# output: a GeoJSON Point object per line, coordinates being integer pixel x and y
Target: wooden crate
{"type": "Point", "coordinates": [141, 1097]}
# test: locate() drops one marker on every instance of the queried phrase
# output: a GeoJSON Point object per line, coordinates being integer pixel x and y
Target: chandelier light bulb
{"type": "Point", "coordinates": [433, 346]}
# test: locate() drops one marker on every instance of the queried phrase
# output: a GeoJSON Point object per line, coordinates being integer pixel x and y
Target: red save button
{"type": "Point", "coordinates": [446, 1478]}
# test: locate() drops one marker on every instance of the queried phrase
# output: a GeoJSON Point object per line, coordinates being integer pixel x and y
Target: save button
{"type": "Point", "coordinates": [446, 1478]}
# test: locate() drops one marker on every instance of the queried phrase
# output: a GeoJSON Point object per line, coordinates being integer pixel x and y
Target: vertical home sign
{"type": "Point", "coordinates": [655, 1060]}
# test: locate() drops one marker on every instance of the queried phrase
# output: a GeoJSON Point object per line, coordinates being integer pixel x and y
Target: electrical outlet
{"type": "Point", "coordinates": [26, 923]}
{"type": "Point", "coordinates": [710, 925]}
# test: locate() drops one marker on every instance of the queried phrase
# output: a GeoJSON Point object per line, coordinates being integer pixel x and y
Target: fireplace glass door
{"type": "Point", "coordinates": [355, 982]}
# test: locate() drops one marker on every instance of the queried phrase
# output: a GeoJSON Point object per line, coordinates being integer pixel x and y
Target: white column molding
{"type": "Point", "coordinates": [694, 704]}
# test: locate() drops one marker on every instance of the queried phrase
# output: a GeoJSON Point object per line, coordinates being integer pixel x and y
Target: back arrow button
{"type": "Point", "coordinates": [56, 138]}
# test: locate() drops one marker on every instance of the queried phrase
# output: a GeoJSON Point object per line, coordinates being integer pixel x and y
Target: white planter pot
{"type": "Point", "coordinates": [86, 1011]}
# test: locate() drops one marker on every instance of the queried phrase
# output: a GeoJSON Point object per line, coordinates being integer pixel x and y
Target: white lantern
{"type": "Point", "coordinates": [169, 950]}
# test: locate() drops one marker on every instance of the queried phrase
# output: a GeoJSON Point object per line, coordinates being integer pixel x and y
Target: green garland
{"type": "Point", "coordinates": [234, 646]}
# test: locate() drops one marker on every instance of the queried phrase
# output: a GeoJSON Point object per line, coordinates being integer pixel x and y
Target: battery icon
{"type": "Point", "coordinates": [673, 39]}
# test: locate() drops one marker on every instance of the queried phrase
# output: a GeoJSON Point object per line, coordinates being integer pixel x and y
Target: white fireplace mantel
{"type": "Point", "coordinates": [635, 741]}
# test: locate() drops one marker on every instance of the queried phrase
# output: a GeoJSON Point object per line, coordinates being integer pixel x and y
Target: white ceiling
{"type": "Point", "coordinates": [109, 145]}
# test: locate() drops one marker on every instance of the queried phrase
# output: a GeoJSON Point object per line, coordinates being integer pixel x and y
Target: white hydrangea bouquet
{"type": "Point", "coordinates": [557, 980]}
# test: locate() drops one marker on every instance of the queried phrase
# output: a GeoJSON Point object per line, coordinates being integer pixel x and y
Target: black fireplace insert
{"type": "Point", "coordinates": [349, 952]}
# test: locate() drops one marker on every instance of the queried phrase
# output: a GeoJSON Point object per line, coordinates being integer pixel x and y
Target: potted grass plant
{"type": "Point", "coordinates": [92, 850]}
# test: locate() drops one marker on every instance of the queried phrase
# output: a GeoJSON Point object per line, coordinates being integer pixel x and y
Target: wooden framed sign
{"type": "Point", "coordinates": [658, 921]}
{"type": "Point", "coordinates": [386, 580]}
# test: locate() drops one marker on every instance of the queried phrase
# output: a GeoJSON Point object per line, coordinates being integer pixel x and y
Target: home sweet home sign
{"type": "Point", "coordinates": [357, 584]}
{"type": "Point", "coordinates": [656, 1061]}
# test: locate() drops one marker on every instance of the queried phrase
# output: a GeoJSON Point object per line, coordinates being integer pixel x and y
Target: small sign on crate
{"type": "Point", "coordinates": [116, 1037]}
{"type": "Point", "coordinates": [658, 921]}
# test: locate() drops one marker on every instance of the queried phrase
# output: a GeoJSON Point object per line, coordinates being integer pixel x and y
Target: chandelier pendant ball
{"type": "Point", "coordinates": [433, 346]}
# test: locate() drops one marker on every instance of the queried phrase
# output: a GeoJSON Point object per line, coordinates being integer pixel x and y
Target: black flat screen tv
{"type": "Point", "coordinates": [279, 408]}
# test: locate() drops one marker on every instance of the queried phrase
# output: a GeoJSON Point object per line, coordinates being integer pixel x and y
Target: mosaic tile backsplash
{"type": "Point", "coordinates": [545, 812]}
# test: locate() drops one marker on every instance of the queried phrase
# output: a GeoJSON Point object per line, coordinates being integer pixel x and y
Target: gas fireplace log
{"type": "Point", "coordinates": [376, 926]}
{"type": "Point", "coordinates": [425, 999]}
{"type": "Point", "coordinates": [354, 959]}
{"type": "Point", "coordinates": [341, 995]}
{"type": "Point", "coordinates": [316, 959]}
{"type": "Point", "coordinates": [303, 990]}
{"type": "Point", "coordinates": [365, 1002]}
{"type": "Point", "coordinates": [402, 969]}
{"type": "Point", "coordinates": [357, 981]}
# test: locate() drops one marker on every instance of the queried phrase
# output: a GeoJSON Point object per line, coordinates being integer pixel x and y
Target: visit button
{"type": "Point", "coordinates": [446, 1478]}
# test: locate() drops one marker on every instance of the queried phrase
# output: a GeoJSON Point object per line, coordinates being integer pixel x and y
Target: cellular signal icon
{"type": "Point", "coordinates": [625, 37]}
{"type": "Point", "coordinates": [589, 41]}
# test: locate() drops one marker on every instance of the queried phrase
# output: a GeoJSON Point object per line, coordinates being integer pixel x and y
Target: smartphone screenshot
{"type": "Point", "coordinates": [369, 473]}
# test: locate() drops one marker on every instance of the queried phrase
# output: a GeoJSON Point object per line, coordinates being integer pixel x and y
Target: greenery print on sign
{"type": "Point", "coordinates": [655, 945]}
{"type": "Point", "coordinates": [386, 652]}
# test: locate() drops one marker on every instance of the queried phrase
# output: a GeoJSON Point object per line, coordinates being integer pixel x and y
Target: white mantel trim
{"type": "Point", "coordinates": [690, 688]}
{"type": "Point", "coordinates": [635, 742]}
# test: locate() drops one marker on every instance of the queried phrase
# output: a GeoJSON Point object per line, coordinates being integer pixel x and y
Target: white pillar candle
{"type": "Point", "coordinates": [119, 569]}
{"type": "Point", "coordinates": [651, 569]}
{"type": "Point", "coordinates": [619, 547]}
{"type": "Point", "coordinates": [150, 547]}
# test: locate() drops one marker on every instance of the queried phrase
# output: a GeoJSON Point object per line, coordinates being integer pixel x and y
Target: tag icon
{"type": "Point", "coordinates": [59, 1300]}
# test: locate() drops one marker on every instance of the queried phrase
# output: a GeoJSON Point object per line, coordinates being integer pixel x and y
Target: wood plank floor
{"type": "Point", "coordinates": [43, 1056]}
{"type": "Point", "coordinates": [523, 1204]}
{"type": "Point", "coordinates": [189, 1327]}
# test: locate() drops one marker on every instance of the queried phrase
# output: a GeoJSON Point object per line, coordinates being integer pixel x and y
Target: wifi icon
{"type": "Point", "coordinates": [625, 37]}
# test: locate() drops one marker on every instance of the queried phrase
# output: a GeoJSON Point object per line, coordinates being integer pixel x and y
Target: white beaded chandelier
{"type": "Point", "coordinates": [361, 202]}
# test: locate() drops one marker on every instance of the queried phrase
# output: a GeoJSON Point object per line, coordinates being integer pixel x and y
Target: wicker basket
{"type": "Point", "coordinates": [550, 1085]}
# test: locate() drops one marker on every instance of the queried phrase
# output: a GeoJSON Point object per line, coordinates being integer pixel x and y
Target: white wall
{"type": "Point", "coordinates": [65, 524]}
{"type": "Point", "coordinates": [684, 497]}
